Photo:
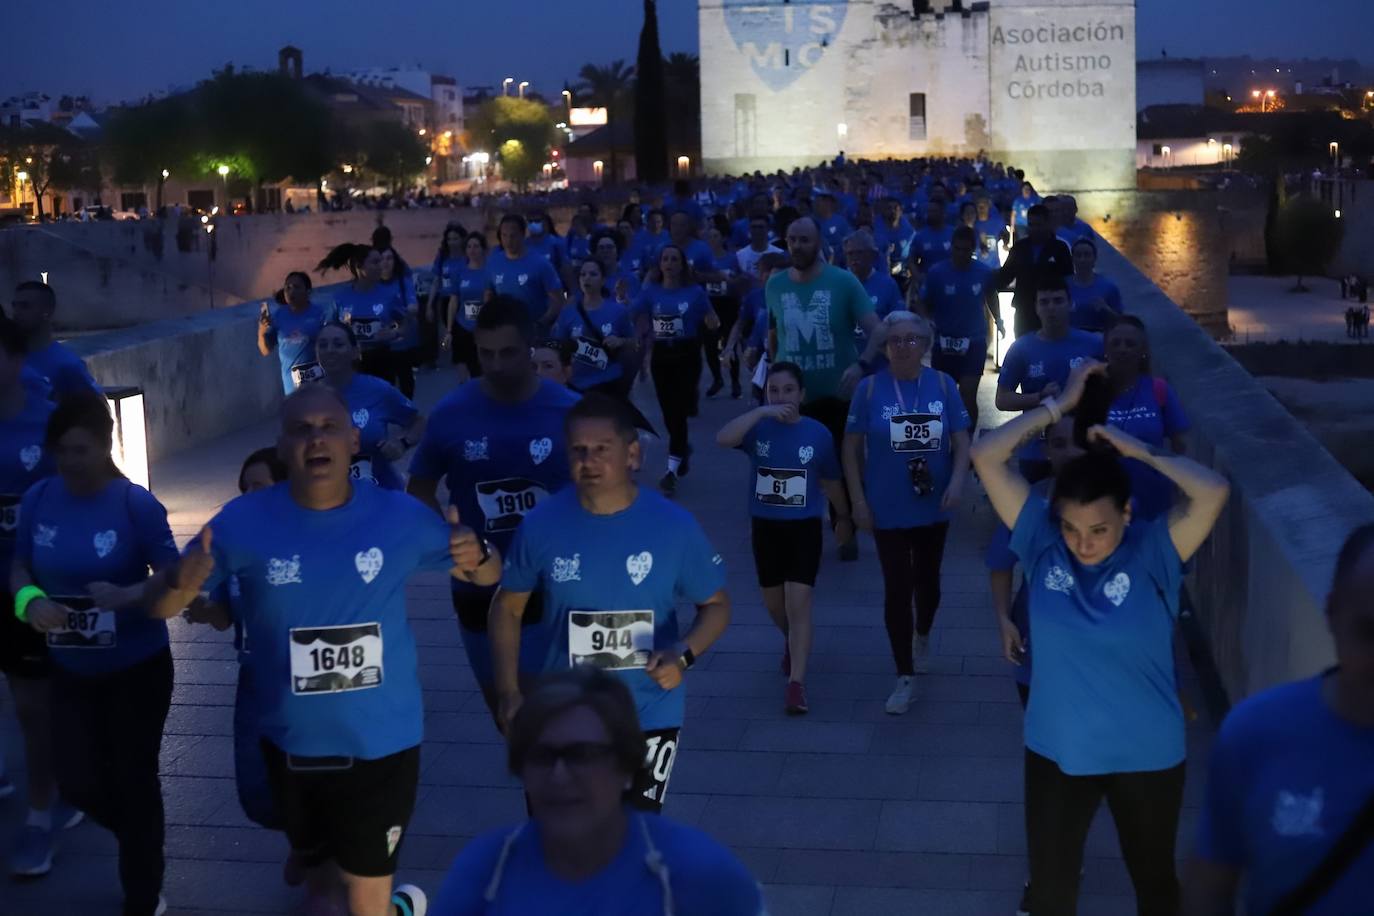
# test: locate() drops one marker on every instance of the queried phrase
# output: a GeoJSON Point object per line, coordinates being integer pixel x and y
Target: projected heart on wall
{"type": "Point", "coordinates": [783, 40]}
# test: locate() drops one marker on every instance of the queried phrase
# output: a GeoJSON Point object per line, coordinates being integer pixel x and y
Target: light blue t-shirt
{"type": "Point", "coordinates": [113, 536]}
{"type": "Point", "coordinates": [369, 312]}
{"type": "Point", "coordinates": [705, 878]}
{"type": "Point", "coordinates": [989, 232]}
{"type": "Point", "coordinates": [1152, 413]}
{"type": "Point", "coordinates": [894, 242]}
{"type": "Point", "coordinates": [552, 248]}
{"type": "Point", "coordinates": [611, 585]}
{"type": "Point", "coordinates": [675, 314]}
{"type": "Point", "coordinates": [592, 363]}
{"type": "Point", "coordinates": [787, 462]}
{"type": "Point", "coordinates": [931, 246]}
{"type": "Point", "coordinates": [957, 301]}
{"type": "Point", "coordinates": [470, 285]}
{"type": "Point", "coordinates": [375, 405]}
{"type": "Point", "coordinates": [883, 292]}
{"type": "Point", "coordinates": [529, 278]}
{"type": "Point", "coordinates": [1088, 301]}
{"type": "Point", "coordinates": [903, 422]}
{"type": "Point", "coordinates": [321, 596]}
{"type": "Point", "coordinates": [61, 368]}
{"type": "Point", "coordinates": [293, 334]}
{"type": "Point", "coordinates": [23, 462]}
{"type": "Point", "coordinates": [1286, 777]}
{"type": "Point", "coordinates": [1032, 362]}
{"type": "Point", "coordinates": [1104, 694]}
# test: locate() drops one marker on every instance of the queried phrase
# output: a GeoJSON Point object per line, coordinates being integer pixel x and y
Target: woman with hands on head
{"type": "Point", "coordinates": [906, 459]}
{"type": "Point", "coordinates": [1104, 719]}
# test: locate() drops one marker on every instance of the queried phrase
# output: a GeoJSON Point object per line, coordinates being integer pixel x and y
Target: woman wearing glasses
{"type": "Point", "coordinates": [905, 454]}
{"type": "Point", "coordinates": [576, 745]}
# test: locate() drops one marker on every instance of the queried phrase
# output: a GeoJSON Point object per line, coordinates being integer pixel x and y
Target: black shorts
{"type": "Point", "coordinates": [23, 650]}
{"type": "Point", "coordinates": [786, 550]}
{"type": "Point", "coordinates": [348, 811]}
{"type": "Point", "coordinates": [465, 349]}
{"type": "Point", "coordinates": [472, 608]}
{"type": "Point", "coordinates": [650, 784]}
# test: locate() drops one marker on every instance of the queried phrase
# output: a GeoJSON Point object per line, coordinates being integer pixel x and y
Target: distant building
{"type": "Point", "coordinates": [1169, 81]}
{"type": "Point", "coordinates": [443, 92]}
{"type": "Point", "coordinates": [587, 160]}
{"type": "Point", "coordinates": [1177, 136]}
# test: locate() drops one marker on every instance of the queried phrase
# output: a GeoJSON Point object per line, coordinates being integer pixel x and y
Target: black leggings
{"type": "Point", "coordinates": [676, 370]}
{"type": "Point", "coordinates": [1059, 811]}
{"type": "Point", "coordinates": [832, 413]}
{"type": "Point", "coordinates": [403, 363]}
{"type": "Point", "coordinates": [910, 559]}
{"type": "Point", "coordinates": [377, 362]}
{"type": "Point", "coordinates": [727, 309]}
{"type": "Point", "coordinates": [107, 734]}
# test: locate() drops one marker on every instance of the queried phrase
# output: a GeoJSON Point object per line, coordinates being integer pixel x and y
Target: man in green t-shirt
{"type": "Point", "coordinates": [813, 310]}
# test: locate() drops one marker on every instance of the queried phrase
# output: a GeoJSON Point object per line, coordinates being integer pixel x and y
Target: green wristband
{"type": "Point", "coordinates": [22, 599]}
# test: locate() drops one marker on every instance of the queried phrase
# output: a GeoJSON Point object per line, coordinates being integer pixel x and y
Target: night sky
{"type": "Point", "coordinates": [119, 51]}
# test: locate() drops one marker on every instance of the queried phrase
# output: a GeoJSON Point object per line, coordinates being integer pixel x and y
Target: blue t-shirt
{"type": "Point", "coordinates": [989, 231]}
{"type": "Point", "coordinates": [113, 536]}
{"type": "Point", "coordinates": [1286, 776]}
{"type": "Point", "coordinates": [787, 462]}
{"type": "Point", "coordinates": [931, 246]}
{"type": "Point", "coordinates": [706, 879]}
{"type": "Point", "coordinates": [1021, 207]}
{"type": "Point", "coordinates": [409, 338]}
{"type": "Point", "coordinates": [894, 242]}
{"type": "Point", "coordinates": [957, 301]}
{"type": "Point", "coordinates": [632, 285]}
{"type": "Point", "coordinates": [321, 595]}
{"type": "Point", "coordinates": [374, 405]}
{"type": "Point", "coordinates": [1140, 413]}
{"type": "Point", "coordinates": [727, 263]}
{"type": "Point", "coordinates": [611, 585]}
{"type": "Point", "coordinates": [1032, 362]}
{"type": "Point", "coordinates": [293, 334]}
{"type": "Point", "coordinates": [470, 285]}
{"type": "Point", "coordinates": [834, 230]}
{"type": "Point", "coordinates": [446, 270]}
{"type": "Point", "coordinates": [61, 368]}
{"type": "Point", "coordinates": [34, 382]}
{"type": "Point", "coordinates": [579, 248]}
{"type": "Point", "coordinates": [369, 312]}
{"type": "Point", "coordinates": [643, 250]}
{"type": "Point", "coordinates": [1088, 302]}
{"type": "Point", "coordinates": [529, 278]}
{"type": "Point", "coordinates": [592, 363]}
{"type": "Point", "coordinates": [23, 462]}
{"type": "Point", "coordinates": [498, 461]}
{"type": "Point", "coordinates": [1104, 694]}
{"type": "Point", "coordinates": [675, 314]}
{"type": "Point", "coordinates": [551, 248]}
{"type": "Point", "coordinates": [756, 305]}
{"type": "Point", "coordinates": [898, 430]}
{"type": "Point", "coordinates": [883, 291]}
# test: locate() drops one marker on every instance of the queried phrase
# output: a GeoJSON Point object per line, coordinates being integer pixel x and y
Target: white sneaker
{"type": "Point", "coordinates": [161, 906]}
{"type": "Point", "coordinates": [900, 699]}
{"type": "Point", "coordinates": [409, 900]}
{"type": "Point", "coordinates": [920, 653]}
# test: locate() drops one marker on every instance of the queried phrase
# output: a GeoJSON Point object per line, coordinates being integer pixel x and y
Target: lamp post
{"type": "Point", "coordinates": [567, 97]}
{"type": "Point", "coordinates": [130, 440]}
{"type": "Point", "coordinates": [1335, 149]}
{"type": "Point", "coordinates": [1226, 152]}
{"type": "Point", "coordinates": [22, 177]}
{"type": "Point", "coordinates": [1167, 155]}
{"type": "Point", "coordinates": [521, 87]}
{"type": "Point", "coordinates": [505, 85]}
{"type": "Point", "coordinates": [162, 180]}
{"type": "Point", "coordinates": [224, 179]}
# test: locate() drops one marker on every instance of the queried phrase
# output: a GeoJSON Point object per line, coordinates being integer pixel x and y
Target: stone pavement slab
{"type": "Point", "coordinates": [844, 811]}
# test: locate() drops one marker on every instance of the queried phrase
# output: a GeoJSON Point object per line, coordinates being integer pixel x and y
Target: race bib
{"type": "Point", "coordinates": [9, 515]}
{"type": "Point", "coordinates": [365, 328]}
{"type": "Point", "coordinates": [957, 346]}
{"type": "Point", "coordinates": [88, 626]}
{"type": "Point", "coordinates": [362, 470]}
{"type": "Point", "coordinates": [668, 328]}
{"type": "Point", "coordinates": [590, 354]}
{"type": "Point", "coordinates": [717, 288]}
{"type": "Point", "coordinates": [335, 659]}
{"type": "Point", "coordinates": [309, 372]}
{"type": "Point", "coordinates": [470, 309]}
{"type": "Point", "coordinates": [505, 503]}
{"type": "Point", "coordinates": [610, 640]}
{"type": "Point", "coordinates": [916, 432]}
{"type": "Point", "coordinates": [781, 487]}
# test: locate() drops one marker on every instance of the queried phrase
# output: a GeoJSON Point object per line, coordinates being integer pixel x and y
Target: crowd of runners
{"type": "Point", "coordinates": [852, 311]}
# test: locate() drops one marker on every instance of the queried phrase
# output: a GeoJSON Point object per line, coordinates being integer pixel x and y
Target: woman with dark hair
{"type": "Point", "coordinates": [608, 248]}
{"type": "Point", "coordinates": [1096, 299]}
{"type": "Point", "coordinates": [449, 260]}
{"type": "Point", "coordinates": [673, 311]}
{"type": "Point", "coordinates": [725, 298]}
{"type": "Point", "coordinates": [405, 347]}
{"type": "Point", "coordinates": [1104, 719]}
{"type": "Point", "coordinates": [473, 281]}
{"type": "Point", "coordinates": [602, 331]}
{"type": "Point", "coordinates": [576, 745]}
{"type": "Point", "coordinates": [291, 328]}
{"type": "Point", "coordinates": [388, 423]}
{"type": "Point", "coordinates": [372, 310]}
{"type": "Point", "coordinates": [579, 240]}
{"type": "Point", "coordinates": [84, 534]}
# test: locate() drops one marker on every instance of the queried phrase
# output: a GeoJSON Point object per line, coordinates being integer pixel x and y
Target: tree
{"type": "Point", "coordinates": [51, 157]}
{"type": "Point", "coordinates": [1309, 235]}
{"type": "Point", "coordinates": [609, 88]}
{"type": "Point", "coordinates": [682, 79]}
{"type": "Point", "coordinates": [519, 131]}
{"type": "Point", "coordinates": [651, 119]}
{"type": "Point", "coordinates": [392, 151]}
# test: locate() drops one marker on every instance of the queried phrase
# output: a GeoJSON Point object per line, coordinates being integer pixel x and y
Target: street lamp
{"type": "Point", "coordinates": [166, 174]}
{"type": "Point", "coordinates": [1335, 155]}
{"type": "Point", "coordinates": [1226, 152]}
{"type": "Point", "coordinates": [130, 435]}
{"type": "Point", "coordinates": [505, 85]}
{"type": "Point", "coordinates": [1167, 152]}
{"type": "Point", "coordinates": [523, 84]}
{"type": "Point", "coordinates": [567, 95]}
{"type": "Point", "coordinates": [224, 178]}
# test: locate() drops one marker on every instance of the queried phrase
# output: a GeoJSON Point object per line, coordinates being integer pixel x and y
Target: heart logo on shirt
{"type": "Point", "coordinates": [682, 308]}
{"type": "Point", "coordinates": [368, 563]}
{"type": "Point", "coordinates": [377, 309]}
{"type": "Point", "coordinates": [805, 453]}
{"type": "Point", "coordinates": [638, 566]}
{"type": "Point", "coordinates": [523, 278]}
{"type": "Point", "coordinates": [606, 329]}
{"type": "Point", "coordinates": [541, 449]}
{"type": "Point", "coordinates": [1117, 588]}
{"type": "Point", "coordinates": [360, 417]}
{"type": "Point", "coordinates": [937, 407]}
{"type": "Point", "coordinates": [29, 456]}
{"type": "Point", "coordinates": [105, 542]}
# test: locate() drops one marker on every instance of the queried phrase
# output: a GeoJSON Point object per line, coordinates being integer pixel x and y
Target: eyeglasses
{"type": "Point", "coordinates": [914, 340]}
{"type": "Point", "coordinates": [580, 755]}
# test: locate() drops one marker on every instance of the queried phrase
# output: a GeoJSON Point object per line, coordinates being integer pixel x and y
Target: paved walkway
{"type": "Point", "coordinates": [1265, 310]}
{"type": "Point", "coordinates": [844, 811]}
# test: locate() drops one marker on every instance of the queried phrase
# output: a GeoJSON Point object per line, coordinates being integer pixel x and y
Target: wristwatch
{"type": "Point", "coordinates": [687, 659]}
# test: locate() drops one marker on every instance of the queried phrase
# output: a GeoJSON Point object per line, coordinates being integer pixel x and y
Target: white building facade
{"type": "Point", "coordinates": [1046, 85]}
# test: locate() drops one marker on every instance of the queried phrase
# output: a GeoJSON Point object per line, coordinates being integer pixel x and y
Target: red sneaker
{"type": "Point", "coordinates": [796, 699]}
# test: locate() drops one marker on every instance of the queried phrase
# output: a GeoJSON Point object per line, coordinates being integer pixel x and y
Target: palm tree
{"type": "Point", "coordinates": [607, 87]}
{"type": "Point", "coordinates": [682, 74]}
